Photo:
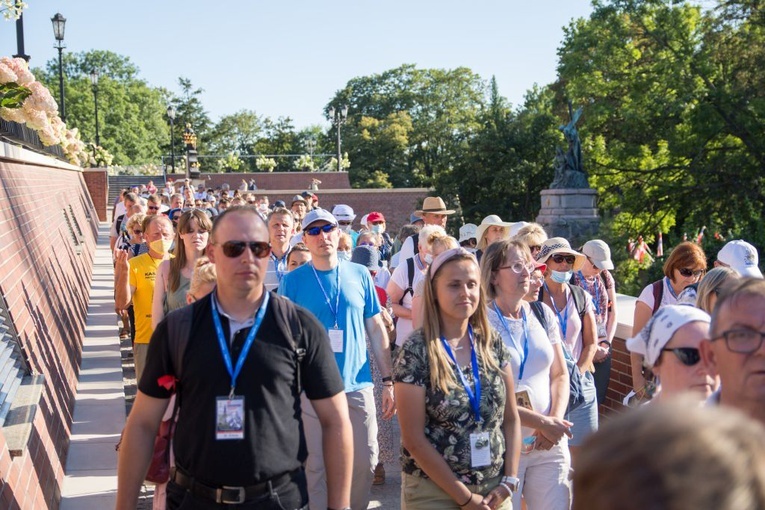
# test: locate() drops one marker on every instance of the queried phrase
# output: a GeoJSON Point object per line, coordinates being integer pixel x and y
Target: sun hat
{"type": "Point", "coordinates": [516, 227]}
{"type": "Point", "coordinates": [298, 198]}
{"type": "Point", "coordinates": [364, 221]}
{"type": "Point", "coordinates": [467, 231]}
{"type": "Point", "coordinates": [491, 220]}
{"type": "Point", "coordinates": [367, 256]}
{"type": "Point", "coordinates": [317, 215]}
{"type": "Point", "coordinates": [741, 257]}
{"type": "Point", "coordinates": [599, 253]}
{"type": "Point", "coordinates": [434, 205]}
{"type": "Point", "coordinates": [374, 216]}
{"type": "Point", "coordinates": [343, 212]}
{"type": "Point", "coordinates": [659, 330]}
{"type": "Point", "coordinates": [556, 245]}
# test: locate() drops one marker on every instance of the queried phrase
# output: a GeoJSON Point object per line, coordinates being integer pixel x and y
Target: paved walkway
{"type": "Point", "coordinates": [99, 412]}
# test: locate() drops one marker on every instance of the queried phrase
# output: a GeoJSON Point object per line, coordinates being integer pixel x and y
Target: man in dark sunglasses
{"type": "Point", "coordinates": [342, 296]}
{"type": "Point", "coordinates": [249, 355]}
{"type": "Point", "coordinates": [736, 350]}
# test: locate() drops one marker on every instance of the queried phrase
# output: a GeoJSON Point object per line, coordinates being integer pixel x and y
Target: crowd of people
{"type": "Point", "coordinates": [280, 341]}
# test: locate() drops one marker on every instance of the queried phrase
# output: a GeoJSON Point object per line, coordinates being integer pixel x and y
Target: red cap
{"type": "Point", "coordinates": [375, 216]}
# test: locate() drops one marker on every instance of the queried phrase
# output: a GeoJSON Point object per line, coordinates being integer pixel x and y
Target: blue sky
{"type": "Point", "coordinates": [288, 58]}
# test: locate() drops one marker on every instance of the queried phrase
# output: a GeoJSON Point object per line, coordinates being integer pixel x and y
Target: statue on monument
{"type": "Point", "coordinates": [569, 172]}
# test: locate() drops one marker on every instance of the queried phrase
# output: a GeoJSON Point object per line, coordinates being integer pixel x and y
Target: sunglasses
{"type": "Point", "coordinates": [686, 273]}
{"type": "Point", "coordinates": [535, 248]}
{"type": "Point", "coordinates": [560, 259]}
{"type": "Point", "coordinates": [153, 208]}
{"type": "Point", "coordinates": [138, 232]}
{"type": "Point", "coordinates": [688, 356]}
{"type": "Point", "coordinates": [344, 223]}
{"type": "Point", "coordinates": [234, 249]}
{"type": "Point", "coordinates": [314, 231]}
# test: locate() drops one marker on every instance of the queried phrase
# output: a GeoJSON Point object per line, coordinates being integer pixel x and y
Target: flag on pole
{"type": "Point", "coordinates": [659, 247]}
{"type": "Point", "coordinates": [700, 235]}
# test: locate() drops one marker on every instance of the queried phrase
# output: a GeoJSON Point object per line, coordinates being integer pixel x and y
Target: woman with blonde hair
{"type": "Point", "coordinates": [174, 275]}
{"type": "Point", "coordinates": [439, 244]}
{"type": "Point", "coordinates": [532, 235]}
{"type": "Point", "coordinates": [460, 429]}
{"type": "Point", "coordinates": [713, 283]}
{"type": "Point", "coordinates": [203, 280]}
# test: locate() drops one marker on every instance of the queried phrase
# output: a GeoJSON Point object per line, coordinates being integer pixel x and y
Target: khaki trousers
{"type": "Point", "coordinates": [419, 493]}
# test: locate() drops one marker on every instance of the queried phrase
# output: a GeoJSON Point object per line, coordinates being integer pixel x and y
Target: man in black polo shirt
{"type": "Point", "coordinates": [244, 442]}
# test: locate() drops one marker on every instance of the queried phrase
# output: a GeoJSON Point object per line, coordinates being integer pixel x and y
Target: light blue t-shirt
{"type": "Point", "coordinates": [358, 301]}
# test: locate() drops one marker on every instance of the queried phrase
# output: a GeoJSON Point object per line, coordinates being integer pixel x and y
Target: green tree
{"type": "Point", "coordinates": [132, 126]}
{"type": "Point", "coordinates": [237, 132]}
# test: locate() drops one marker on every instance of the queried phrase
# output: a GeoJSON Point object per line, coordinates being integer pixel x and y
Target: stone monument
{"type": "Point", "coordinates": [569, 206]}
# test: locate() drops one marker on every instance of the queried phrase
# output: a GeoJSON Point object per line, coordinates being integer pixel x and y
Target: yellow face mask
{"type": "Point", "coordinates": [161, 246]}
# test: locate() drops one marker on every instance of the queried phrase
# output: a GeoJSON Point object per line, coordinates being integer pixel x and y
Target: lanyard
{"type": "Point", "coordinates": [336, 309]}
{"type": "Point", "coordinates": [563, 321]}
{"type": "Point", "coordinates": [669, 286]}
{"type": "Point", "coordinates": [525, 350]}
{"type": "Point", "coordinates": [234, 372]}
{"type": "Point", "coordinates": [279, 265]}
{"type": "Point", "coordinates": [596, 291]}
{"type": "Point", "coordinates": [474, 398]}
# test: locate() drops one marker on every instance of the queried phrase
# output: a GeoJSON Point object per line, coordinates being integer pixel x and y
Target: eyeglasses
{"type": "Point", "coordinates": [153, 208]}
{"type": "Point", "coordinates": [742, 341]}
{"type": "Point", "coordinates": [686, 273]}
{"type": "Point", "coordinates": [314, 231]}
{"type": "Point", "coordinates": [560, 259]}
{"type": "Point", "coordinates": [519, 266]}
{"type": "Point", "coordinates": [688, 356]}
{"type": "Point", "coordinates": [234, 249]}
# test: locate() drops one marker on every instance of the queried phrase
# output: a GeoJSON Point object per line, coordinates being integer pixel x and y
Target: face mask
{"type": "Point", "coordinates": [161, 246]}
{"type": "Point", "coordinates": [428, 258]}
{"type": "Point", "coordinates": [377, 229]}
{"type": "Point", "coordinates": [346, 228]}
{"type": "Point", "coordinates": [561, 276]}
{"type": "Point", "coordinates": [344, 255]}
{"type": "Point", "coordinates": [263, 208]}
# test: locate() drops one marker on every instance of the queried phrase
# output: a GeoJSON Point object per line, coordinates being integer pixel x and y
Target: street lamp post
{"type": "Point", "coordinates": [171, 116]}
{"type": "Point", "coordinates": [338, 118]}
{"type": "Point", "coordinates": [59, 23]}
{"type": "Point", "coordinates": [94, 81]}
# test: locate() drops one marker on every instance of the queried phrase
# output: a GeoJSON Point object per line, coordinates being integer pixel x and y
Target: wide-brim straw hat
{"type": "Point", "coordinates": [492, 220]}
{"type": "Point", "coordinates": [559, 245]}
{"type": "Point", "coordinates": [433, 205]}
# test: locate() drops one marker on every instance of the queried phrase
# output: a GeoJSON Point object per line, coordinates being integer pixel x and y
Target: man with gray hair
{"type": "Point", "coordinates": [735, 349]}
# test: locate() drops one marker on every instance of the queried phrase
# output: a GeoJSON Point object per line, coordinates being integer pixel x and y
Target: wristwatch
{"type": "Point", "coordinates": [512, 481]}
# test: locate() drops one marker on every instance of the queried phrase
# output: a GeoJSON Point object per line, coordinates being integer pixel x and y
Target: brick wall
{"type": "Point", "coordinates": [47, 241]}
{"type": "Point", "coordinates": [97, 182]}
{"type": "Point", "coordinates": [297, 181]}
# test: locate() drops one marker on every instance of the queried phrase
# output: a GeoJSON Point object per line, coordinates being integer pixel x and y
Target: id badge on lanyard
{"type": "Point", "coordinates": [336, 339]}
{"type": "Point", "coordinates": [229, 417]}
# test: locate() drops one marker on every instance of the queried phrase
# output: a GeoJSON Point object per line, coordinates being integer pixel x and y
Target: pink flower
{"type": "Point", "coordinates": [20, 67]}
{"type": "Point", "coordinates": [6, 74]}
{"type": "Point", "coordinates": [13, 115]}
{"type": "Point", "coordinates": [41, 98]}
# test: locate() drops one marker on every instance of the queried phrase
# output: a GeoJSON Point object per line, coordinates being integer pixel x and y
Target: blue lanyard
{"type": "Point", "coordinates": [279, 265]}
{"type": "Point", "coordinates": [563, 321]}
{"type": "Point", "coordinates": [596, 291]}
{"type": "Point", "coordinates": [669, 286]}
{"type": "Point", "coordinates": [474, 398]}
{"type": "Point", "coordinates": [336, 309]}
{"type": "Point", "coordinates": [525, 350]}
{"type": "Point", "coordinates": [234, 372]}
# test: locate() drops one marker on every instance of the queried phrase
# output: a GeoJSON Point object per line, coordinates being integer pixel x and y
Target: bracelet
{"type": "Point", "coordinates": [387, 379]}
{"type": "Point", "coordinates": [605, 342]}
{"type": "Point", "coordinates": [507, 488]}
{"type": "Point", "coordinates": [470, 498]}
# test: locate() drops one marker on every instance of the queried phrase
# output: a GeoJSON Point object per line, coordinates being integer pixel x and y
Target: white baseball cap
{"type": "Point", "coordinates": [467, 231]}
{"type": "Point", "coordinates": [343, 212]}
{"type": "Point", "coordinates": [318, 215]}
{"type": "Point", "coordinates": [599, 253]}
{"type": "Point", "coordinates": [741, 257]}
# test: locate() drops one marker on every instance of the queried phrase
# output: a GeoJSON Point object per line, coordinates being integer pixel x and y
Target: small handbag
{"type": "Point", "coordinates": [576, 394]}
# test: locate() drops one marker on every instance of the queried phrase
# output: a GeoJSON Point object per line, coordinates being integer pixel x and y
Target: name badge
{"type": "Point", "coordinates": [336, 339]}
{"type": "Point", "coordinates": [522, 399]}
{"type": "Point", "coordinates": [602, 330]}
{"type": "Point", "coordinates": [480, 449]}
{"type": "Point", "coordinates": [229, 418]}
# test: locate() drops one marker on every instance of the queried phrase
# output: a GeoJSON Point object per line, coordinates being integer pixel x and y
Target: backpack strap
{"type": "Point", "coordinates": [538, 308]}
{"type": "Point", "coordinates": [410, 278]}
{"type": "Point", "coordinates": [289, 323]}
{"type": "Point", "coordinates": [580, 300]}
{"type": "Point", "coordinates": [658, 294]}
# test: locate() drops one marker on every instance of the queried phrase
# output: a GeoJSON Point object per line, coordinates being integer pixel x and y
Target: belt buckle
{"type": "Point", "coordinates": [239, 497]}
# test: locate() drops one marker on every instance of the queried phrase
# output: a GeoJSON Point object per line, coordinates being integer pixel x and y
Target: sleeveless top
{"type": "Point", "coordinates": [177, 299]}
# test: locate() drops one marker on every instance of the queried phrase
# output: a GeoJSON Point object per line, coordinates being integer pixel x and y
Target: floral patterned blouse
{"type": "Point", "coordinates": [449, 418]}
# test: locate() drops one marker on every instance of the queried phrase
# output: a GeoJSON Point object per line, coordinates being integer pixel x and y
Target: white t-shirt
{"type": "Point", "coordinates": [667, 297]}
{"type": "Point", "coordinates": [536, 370]}
{"type": "Point", "coordinates": [573, 327]}
{"type": "Point", "coordinates": [400, 278]}
{"type": "Point", "coordinates": [382, 278]}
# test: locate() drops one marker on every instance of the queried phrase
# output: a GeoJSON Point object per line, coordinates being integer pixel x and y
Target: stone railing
{"type": "Point", "coordinates": [16, 133]}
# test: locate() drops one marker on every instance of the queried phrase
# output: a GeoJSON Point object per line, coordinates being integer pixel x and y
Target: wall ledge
{"type": "Point", "coordinates": [18, 424]}
{"type": "Point", "coordinates": [20, 155]}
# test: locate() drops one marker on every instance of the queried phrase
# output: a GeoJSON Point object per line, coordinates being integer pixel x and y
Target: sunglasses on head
{"type": "Point", "coordinates": [560, 259]}
{"type": "Point", "coordinates": [685, 272]}
{"type": "Point", "coordinates": [234, 249]}
{"type": "Point", "coordinates": [688, 356]}
{"type": "Point", "coordinates": [314, 231]}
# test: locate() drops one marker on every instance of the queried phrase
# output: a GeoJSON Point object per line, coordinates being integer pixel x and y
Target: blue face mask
{"type": "Point", "coordinates": [377, 229]}
{"type": "Point", "coordinates": [561, 276]}
{"type": "Point", "coordinates": [344, 255]}
{"type": "Point", "coordinates": [428, 258]}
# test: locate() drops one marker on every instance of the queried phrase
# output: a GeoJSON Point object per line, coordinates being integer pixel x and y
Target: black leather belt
{"type": "Point", "coordinates": [229, 495]}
